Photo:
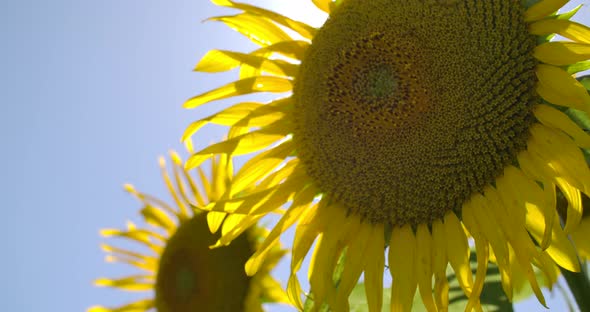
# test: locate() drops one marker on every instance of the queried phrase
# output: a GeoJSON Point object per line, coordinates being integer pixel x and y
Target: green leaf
{"type": "Point", "coordinates": [577, 67]}
{"type": "Point", "coordinates": [569, 14]}
{"type": "Point", "coordinates": [585, 81]}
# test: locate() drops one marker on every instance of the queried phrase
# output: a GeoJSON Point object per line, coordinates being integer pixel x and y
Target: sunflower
{"type": "Point", "coordinates": [421, 126]}
{"type": "Point", "coordinates": [181, 269]}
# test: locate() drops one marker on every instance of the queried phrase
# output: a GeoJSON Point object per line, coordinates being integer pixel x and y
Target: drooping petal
{"type": "Point", "coordinates": [458, 251]}
{"type": "Point", "coordinates": [354, 264]}
{"type": "Point", "coordinates": [439, 265]}
{"type": "Point", "coordinates": [402, 265]}
{"type": "Point", "coordinates": [424, 266]}
{"type": "Point", "coordinates": [374, 268]}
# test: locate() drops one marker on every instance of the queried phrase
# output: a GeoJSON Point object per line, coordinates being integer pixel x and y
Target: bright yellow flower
{"type": "Point", "coordinates": [414, 125]}
{"type": "Point", "coordinates": [180, 269]}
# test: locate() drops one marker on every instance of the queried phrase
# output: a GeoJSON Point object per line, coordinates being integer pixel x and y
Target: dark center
{"type": "Point", "coordinates": [192, 277]}
{"type": "Point", "coordinates": [406, 108]}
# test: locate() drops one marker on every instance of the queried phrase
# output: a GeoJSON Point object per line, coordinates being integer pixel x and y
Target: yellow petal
{"type": "Point", "coordinates": [294, 291]}
{"type": "Point", "coordinates": [560, 250]}
{"type": "Point", "coordinates": [220, 60]}
{"type": "Point", "coordinates": [214, 220]}
{"type": "Point", "coordinates": [282, 195]}
{"type": "Point", "coordinates": [158, 218]}
{"type": "Point", "coordinates": [242, 87]}
{"type": "Point", "coordinates": [324, 5]}
{"type": "Point", "coordinates": [493, 233]}
{"type": "Point", "coordinates": [550, 271]}
{"type": "Point", "coordinates": [580, 237]}
{"type": "Point", "coordinates": [402, 265]}
{"type": "Point", "coordinates": [149, 200]}
{"type": "Point", "coordinates": [300, 203]}
{"type": "Point", "coordinates": [204, 182]}
{"type": "Point", "coordinates": [130, 283]}
{"type": "Point", "coordinates": [374, 268]}
{"type": "Point", "coordinates": [562, 53]}
{"type": "Point", "coordinates": [354, 264]}
{"type": "Point", "coordinates": [272, 290]}
{"type": "Point", "coordinates": [141, 236]}
{"type": "Point", "coordinates": [502, 203]}
{"type": "Point", "coordinates": [439, 265]}
{"type": "Point", "coordinates": [534, 198]}
{"type": "Point", "coordinates": [244, 144]}
{"type": "Point", "coordinates": [307, 230]}
{"type": "Point", "coordinates": [566, 28]}
{"type": "Point", "coordinates": [481, 249]}
{"type": "Point", "coordinates": [558, 87]}
{"type": "Point", "coordinates": [226, 117]}
{"type": "Point", "coordinates": [538, 173]}
{"type": "Point", "coordinates": [257, 28]}
{"type": "Point", "coordinates": [266, 115]}
{"type": "Point", "coordinates": [301, 28]}
{"type": "Point", "coordinates": [458, 251]}
{"type": "Point", "coordinates": [294, 49]}
{"type": "Point", "coordinates": [180, 177]}
{"type": "Point", "coordinates": [574, 207]}
{"type": "Point", "coordinates": [562, 156]}
{"type": "Point", "coordinates": [424, 266]}
{"type": "Point", "coordinates": [182, 212]}
{"type": "Point", "coordinates": [137, 306]}
{"type": "Point", "coordinates": [328, 250]}
{"type": "Point", "coordinates": [244, 224]}
{"type": "Point", "coordinates": [543, 9]}
{"type": "Point", "coordinates": [260, 166]}
{"type": "Point", "coordinates": [554, 118]}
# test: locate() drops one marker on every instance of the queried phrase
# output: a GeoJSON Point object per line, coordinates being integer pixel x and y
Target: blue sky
{"type": "Point", "coordinates": [91, 95]}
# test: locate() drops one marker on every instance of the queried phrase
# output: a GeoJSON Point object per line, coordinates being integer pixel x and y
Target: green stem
{"type": "Point", "coordinates": [579, 286]}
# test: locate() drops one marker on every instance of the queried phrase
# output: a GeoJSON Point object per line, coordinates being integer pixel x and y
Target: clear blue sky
{"type": "Point", "coordinates": [90, 95]}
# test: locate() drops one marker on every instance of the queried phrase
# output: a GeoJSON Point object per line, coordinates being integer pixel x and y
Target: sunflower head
{"type": "Point", "coordinates": [420, 127]}
{"type": "Point", "coordinates": [181, 268]}
{"type": "Point", "coordinates": [379, 118]}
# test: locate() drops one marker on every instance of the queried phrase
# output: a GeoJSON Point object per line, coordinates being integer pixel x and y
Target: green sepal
{"type": "Point", "coordinates": [577, 67]}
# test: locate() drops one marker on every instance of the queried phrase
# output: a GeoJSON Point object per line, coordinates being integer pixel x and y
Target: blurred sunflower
{"type": "Point", "coordinates": [181, 269]}
{"type": "Point", "coordinates": [414, 125]}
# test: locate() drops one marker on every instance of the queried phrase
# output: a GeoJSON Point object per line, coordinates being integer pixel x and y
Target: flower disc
{"type": "Point", "coordinates": [193, 277]}
{"type": "Point", "coordinates": [404, 109]}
